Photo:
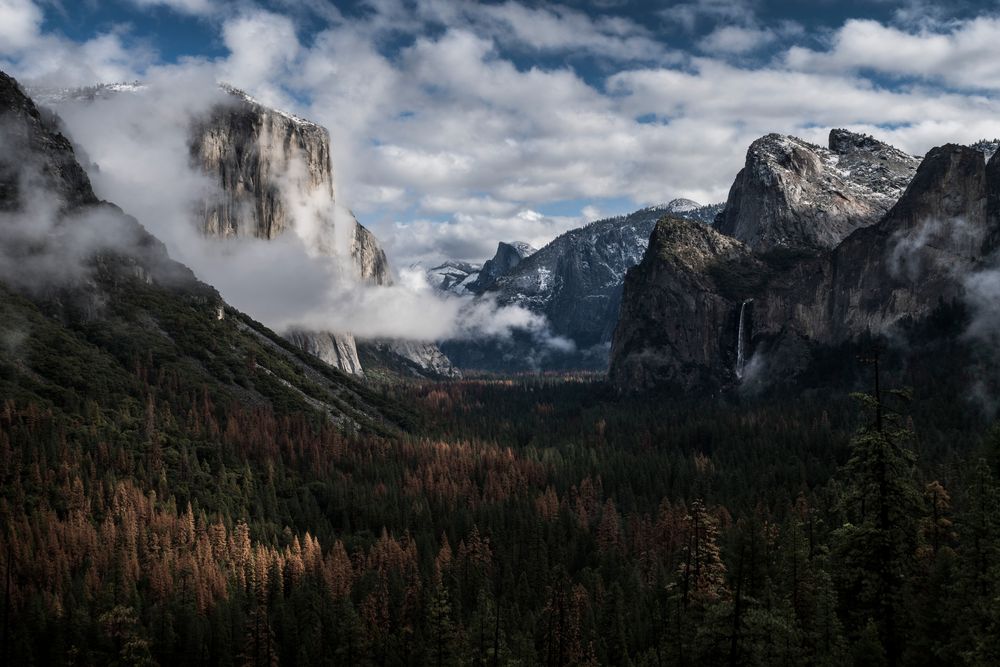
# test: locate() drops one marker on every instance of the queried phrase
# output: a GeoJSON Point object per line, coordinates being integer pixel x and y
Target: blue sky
{"type": "Point", "coordinates": [455, 125]}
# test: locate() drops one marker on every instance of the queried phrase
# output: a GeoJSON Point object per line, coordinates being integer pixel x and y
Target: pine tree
{"type": "Point", "coordinates": [440, 629]}
{"type": "Point", "coordinates": [876, 549]}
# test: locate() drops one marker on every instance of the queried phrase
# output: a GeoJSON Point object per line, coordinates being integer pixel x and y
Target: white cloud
{"type": "Point", "coordinates": [53, 60]}
{"type": "Point", "coordinates": [959, 54]}
{"type": "Point", "coordinates": [196, 7]}
{"type": "Point", "coordinates": [262, 46]}
{"type": "Point", "coordinates": [20, 21]}
{"type": "Point", "coordinates": [734, 39]}
{"type": "Point", "coordinates": [453, 126]}
{"type": "Point", "coordinates": [561, 29]}
{"type": "Point", "coordinates": [689, 14]}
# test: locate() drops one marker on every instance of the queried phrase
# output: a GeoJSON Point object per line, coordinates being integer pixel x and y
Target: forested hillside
{"type": "Point", "coordinates": [514, 521]}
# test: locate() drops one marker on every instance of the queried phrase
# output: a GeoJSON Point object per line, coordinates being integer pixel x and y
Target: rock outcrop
{"type": "Point", "coordinates": [793, 195]}
{"type": "Point", "coordinates": [678, 318]}
{"type": "Point", "coordinates": [406, 358]}
{"type": "Point", "coordinates": [36, 153]}
{"type": "Point", "coordinates": [701, 313]}
{"type": "Point", "coordinates": [275, 177]}
{"type": "Point", "coordinates": [337, 350]}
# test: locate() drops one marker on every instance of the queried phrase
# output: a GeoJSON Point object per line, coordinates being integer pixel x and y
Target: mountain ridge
{"type": "Point", "coordinates": [901, 269]}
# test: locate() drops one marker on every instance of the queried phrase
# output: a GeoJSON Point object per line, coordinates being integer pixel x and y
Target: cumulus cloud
{"type": "Point", "coordinates": [262, 46]}
{"type": "Point", "coordinates": [454, 129]}
{"type": "Point", "coordinates": [561, 29]}
{"type": "Point", "coordinates": [53, 60]}
{"type": "Point", "coordinates": [960, 54]}
{"type": "Point", "coordinates": [20, 22]}
{"type": "Point", "coordinates": [299, 280]}
{"type": "Point", "coordinates": [689, 15]}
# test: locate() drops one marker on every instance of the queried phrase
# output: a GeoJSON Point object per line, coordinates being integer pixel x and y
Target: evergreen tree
{"type": "Point", "coordinates": [876, 548]}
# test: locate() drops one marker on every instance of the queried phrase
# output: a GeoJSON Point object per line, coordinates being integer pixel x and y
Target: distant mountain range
{"type": "Point", "coordinates": [575, 281]}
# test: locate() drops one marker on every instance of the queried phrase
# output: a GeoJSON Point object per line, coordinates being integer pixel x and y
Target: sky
{"type": "Point", "coordinates": [455, 125]}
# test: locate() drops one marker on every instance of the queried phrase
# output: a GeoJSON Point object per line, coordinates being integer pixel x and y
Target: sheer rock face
{"type": "Point", "coordinates": [273, 168]}
{"type": "Point", "coordinates": [273, 171]}
{"type": "Point", "coordinates": [409, 358]}
{"type": "Point", "coordinates": [793, 195]}
{"type": "Point", "coordinates": [369, 257]}
{"type": "Point", "coordinates": [337, 350]}
{"type": "Point", "coordinates": [901, 268]}
{"type": "Point", "coordinates": [259, 157]}
{"type": "Point", "coordinates": [678, 309]}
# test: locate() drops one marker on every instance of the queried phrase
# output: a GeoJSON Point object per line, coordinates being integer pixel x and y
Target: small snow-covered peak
{"type": "Point", "coordinates": [249, 99]}
{"type": "Point", "coordinates": [987, 147]}
{"type": "Point", "coordinates": [452, 276]}
{"type": "Point", "coordinates": [682, 205]}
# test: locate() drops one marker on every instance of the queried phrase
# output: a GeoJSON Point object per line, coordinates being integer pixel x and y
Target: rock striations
{"type": "Point", "coordinates": [794, 195]}
{"type": "Point", "coordinates": [699, 299]}
{"type": "Point", "coordinates": [273, 169]}
{"type": "Point", "coordinates": [275, 177]}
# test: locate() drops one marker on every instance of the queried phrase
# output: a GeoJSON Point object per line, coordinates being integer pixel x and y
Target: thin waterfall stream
{"type": "Point", "coordinates": [741, 341]}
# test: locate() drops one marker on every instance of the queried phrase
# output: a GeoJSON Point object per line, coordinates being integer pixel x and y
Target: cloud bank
{"type": "Point", "coordinates": [138, 144]}
{"type": "Point", "coordinates": [457, 125]}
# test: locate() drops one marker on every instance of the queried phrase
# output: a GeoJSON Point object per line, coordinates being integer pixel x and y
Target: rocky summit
{"type": "Point", "coordinates": [506, 259]}
{"type": "Point", "coordinates": [706, 311]}
{"type": "Point", "coordinates": [793, 195]}
{"type": "Point", "coordinates": [268, 163]}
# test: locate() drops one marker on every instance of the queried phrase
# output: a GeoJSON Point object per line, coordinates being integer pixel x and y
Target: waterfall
{"type": "Point", "coordinates": [741, 335]}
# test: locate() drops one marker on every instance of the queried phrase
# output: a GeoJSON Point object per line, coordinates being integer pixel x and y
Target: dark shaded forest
{"type": "Point", "coordinates": [150, 519]}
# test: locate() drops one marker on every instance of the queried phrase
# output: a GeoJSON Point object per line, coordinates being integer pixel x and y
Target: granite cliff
{"type": "Point", "coordinates": [705, 311]}
{"type": "Point", "coordinates": [274, 175]}
{"type": "Point", "coordinates": [793, 195]}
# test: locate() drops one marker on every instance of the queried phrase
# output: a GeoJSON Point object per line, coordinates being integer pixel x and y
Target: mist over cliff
{"type": "Point", "coordinates": [251, 205]}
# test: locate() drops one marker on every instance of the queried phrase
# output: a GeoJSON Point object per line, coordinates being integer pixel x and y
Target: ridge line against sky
{"type": "Point", "coordinates": [458, 124]}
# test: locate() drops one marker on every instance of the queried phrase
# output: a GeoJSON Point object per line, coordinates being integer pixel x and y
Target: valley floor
{"type": "Point", "coordinates": [521, 520]}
